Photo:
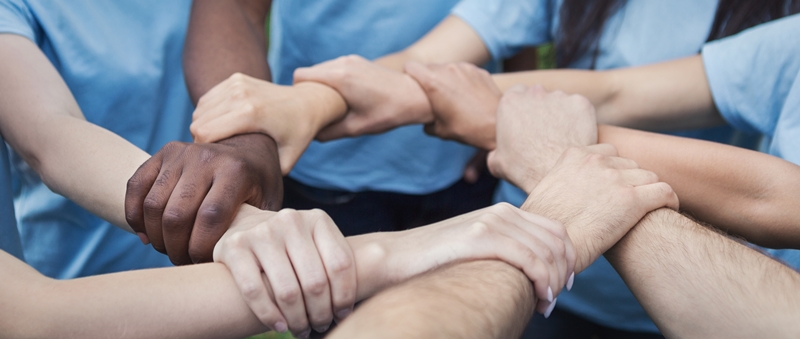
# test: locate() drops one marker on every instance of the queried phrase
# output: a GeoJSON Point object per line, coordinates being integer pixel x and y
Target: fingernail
{"type": "Point", "coordinates": [550, 309]}
{"type": "Point", "coordinates": [143, 237]}
{"type": "Point", "coordinates": [281, 327]}
{"type": "Point", "coordinates": [549, 294]}
{"type": "Point", "coordinates": [570, 281]}
{"type": "Point", "coordinates": [341, 314]}
{"type": "Point", "coordinates": [322, 329]}
{"type": "Point", "coordinates": [305, 334]}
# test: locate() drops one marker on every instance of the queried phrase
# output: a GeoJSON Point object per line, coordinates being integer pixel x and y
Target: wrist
{"type": "Point", "coordinates": [323, 104]}
{"type": "Point", "coordinates": [418, 107]}
{"type": "Point", "coordinates": [370, 253]}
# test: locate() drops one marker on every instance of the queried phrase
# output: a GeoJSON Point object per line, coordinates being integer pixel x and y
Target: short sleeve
{"type": "Point", "coordinates": [16, 18]}
{"type": "Point", "coordinates": [506, 26]}
{"type": "Point", "coordinates": [751, 73]}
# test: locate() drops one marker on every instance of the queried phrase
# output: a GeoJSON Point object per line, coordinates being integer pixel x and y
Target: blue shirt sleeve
{"type": "Point", "coordinates": [751, 73]}
{"type": "Point", "coordinates": [16, 18]}
{"type": "Point", "coordinates": [506, 26]}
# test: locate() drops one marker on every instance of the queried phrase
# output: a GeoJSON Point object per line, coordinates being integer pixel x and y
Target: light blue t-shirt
{"type": "Point", "coordinates": [640, 33]}
{"type": "Point", "coordinates": [404, 160]}
{"type": "Point", "coordinates": [122, 62]}
{"type": "Point", "coordinates": [9, 236]}
{"type": "Point", "coordinates": [755, 81]}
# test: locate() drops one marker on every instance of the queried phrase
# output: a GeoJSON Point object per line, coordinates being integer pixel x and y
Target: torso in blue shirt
{"type": "Point", "coordinates": [754, 78]}
{"type": "Point", "coordinates": [9, 237]}
{"type": "Point", "coordinates": [122, 62]}
{"type": "Point", "coordinates": [404, 160]}
{"type": "Point", "coordinates": [642, 32]}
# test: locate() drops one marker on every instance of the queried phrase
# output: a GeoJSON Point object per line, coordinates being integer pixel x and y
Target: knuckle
{"type": "Point", "coordinates": [340, 263]}
{"type": "Point", "coordinates": [250, 289]}
{"type": "Point", "coordinates": [153, 205]}
{"type": "Point", "coordinates": [288, 295]}
{"type": "Point", "coordinates": [174, 218]}
{"type": "Point", "coordinates": [213, 213]}
{"type": "Point", "coordinates": [316, 285]}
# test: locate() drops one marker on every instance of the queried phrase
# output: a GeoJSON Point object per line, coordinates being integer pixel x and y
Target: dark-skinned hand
{"type": "Point", "coordinates": [184, 198]}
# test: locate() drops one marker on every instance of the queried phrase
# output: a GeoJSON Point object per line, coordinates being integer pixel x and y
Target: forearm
{"type": "Point", "coordinates": [452, 40]}
{"type": "Point", "coordinates": [225, 37]}
{"type": "Point", "coordinates": [482, 299]}
{"type": "Point", "coordinates": [665, 96]}
{"type": "Point", "coordinates": [682, 272]}
{"type": "Point", "coordinates": [744, 192]}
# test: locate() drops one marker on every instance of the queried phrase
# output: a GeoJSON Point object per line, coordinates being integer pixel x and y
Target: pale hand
{"type": "Point", "coordinates": [599, 197]}
{"type": "Point", "coordinates": [464, 99]}
{"type": "Point", "coordinates": [534, 127]}
{"type": "Point", "coordinates": [301, 258]}
{"type": "Point", "coordinates": [378, 98]}
{"type": "Point", "coordinates": [538, 246]}
{"type": "Point", "coordinates": [292, 115]}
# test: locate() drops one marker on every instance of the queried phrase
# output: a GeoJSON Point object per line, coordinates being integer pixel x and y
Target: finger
{"type": "Point", "coordinates": [138, 187]}
{"type": "Point", "coordinates": [179, 216]}
{"type": "Point", "coordinates": [423, 75]}
{"type": "Point", "coordinates": [155, 204]}
{"type": "Point", "coordinates": [246, 272]}
{"type": "Point", "coordinates": [337, 257]}
{"type": "Point", "coordinates": [605, 149]}
{"type": "Point", "coordinates": [213, 99]}
{"type": "Point", "coordinates": [520, 256]}
{"type": "Point", "coordinates": [638, 177]}
{"type": "Point", "coordinates": [547, 247]}
{"type": "Point", "coordinates": [655, 196]}
{"type": "Point", "coordinates": [224, 126]}
{"type": "Point", "coordinates": [283, 280]}
{"type": "Point", "coordinates": [558, 230]}
{"type": "Point", "coordinates": [311, 274]}
{"type": "Point", "coordinates": [344, 128]}
{"type": "Point", "coordinates": [620, 163]}
{"type": "Point", "coordinates": [216, 212]}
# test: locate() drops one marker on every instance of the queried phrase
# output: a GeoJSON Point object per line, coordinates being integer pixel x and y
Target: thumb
{"type": "Point", "coordinates": [422, 74]}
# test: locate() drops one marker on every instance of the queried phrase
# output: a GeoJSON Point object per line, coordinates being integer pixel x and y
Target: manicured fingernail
{"type": "Point", "coordinates": [570, 281]}
{"type": "Point", "coordinates": [550, 309]}
{"type": "Point", "coordinates": [549, 294]}
{"type": "Point", "coordinates": [341, 314]}
{"type": "Point", "coordinates": [143, 237]}
{"type": "Point", "coordinates": [280, 327]}
{"type": "Point", "coordinates": [305, 334]}
{"type": "Point", "coordinates": [322, 329]}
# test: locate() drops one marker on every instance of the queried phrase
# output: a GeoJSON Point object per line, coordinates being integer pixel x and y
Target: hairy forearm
{"type": "Point", "coordinates": [684, 273]}
{"type": "Point", "coordinates": [744, 192]}
{"type": "Point", "coordinates": [482, 299]}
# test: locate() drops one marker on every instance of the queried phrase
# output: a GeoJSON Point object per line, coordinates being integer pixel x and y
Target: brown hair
{"type": "Point", "coordinates": [582, 22]}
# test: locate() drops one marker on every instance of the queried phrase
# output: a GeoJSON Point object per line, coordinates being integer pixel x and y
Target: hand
{"type": "Point", "coordinates": [536, 245]}
{"type": "Point", "coordinates": [378, 98]}
{"type": "Point", "coordinates": [292, 115]}
{"type": "Point", "coordinates": [464, 100]}
{"type": "Point", "coordinates": [534, 127]}
{"type": "Point", "coordinates": [598, 196]}
{"type": "Point", "coordinates": [301, 258]}
{"type": "Point", "coordinates": [184, 197]}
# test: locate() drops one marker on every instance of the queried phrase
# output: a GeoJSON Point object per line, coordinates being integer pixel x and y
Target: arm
{"type": "Point", "coordinates": [485, 299]}
{"type": "Point", "coordinates": [741, 191]}
{"type": "Point", "coordinates": [664, 96]}
{"type": "Point", "coordinates": [43, 123]}
{"type": "Point", "coordinates": [706, 273]}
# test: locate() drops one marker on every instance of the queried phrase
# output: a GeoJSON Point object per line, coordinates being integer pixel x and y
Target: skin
{"type": "Point", "coordinates": [40, 120]}
{"type": "Point", "coordinates": [679, 270]}
{"type": "Point", "coordinates": [756, 189]}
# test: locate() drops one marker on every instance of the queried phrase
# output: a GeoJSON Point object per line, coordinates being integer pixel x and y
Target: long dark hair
{"type": "Point", "coordinates": [582, 22]}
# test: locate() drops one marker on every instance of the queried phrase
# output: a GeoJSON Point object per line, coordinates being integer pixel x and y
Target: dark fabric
{"type": "Point", "coordinates": [365, 212]}
{"type": "Point", "coordinates": [565, 325]}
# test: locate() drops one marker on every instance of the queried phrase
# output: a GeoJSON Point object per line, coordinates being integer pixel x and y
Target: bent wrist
{"type": "Point", "coordinates": [321, 103]}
